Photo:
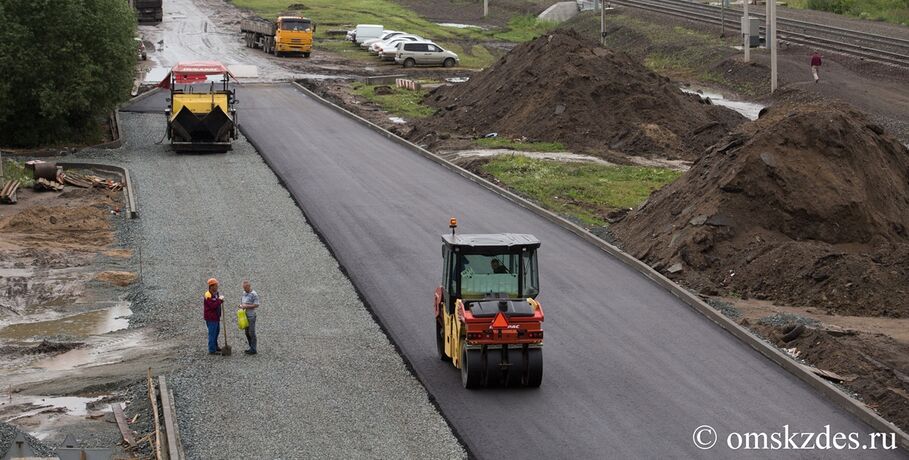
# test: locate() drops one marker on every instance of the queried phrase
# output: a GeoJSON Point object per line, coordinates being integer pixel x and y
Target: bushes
{"type": "Point", "coordinates": [833, 6]}
{"type": "Point", "coordinates": [64, 64]}
{"type": "Point", "coordinates": [895, 11]}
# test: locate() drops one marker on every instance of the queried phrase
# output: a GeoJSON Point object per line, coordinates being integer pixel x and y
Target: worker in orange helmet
{"type": "Point", "coordinates": [212, 301]}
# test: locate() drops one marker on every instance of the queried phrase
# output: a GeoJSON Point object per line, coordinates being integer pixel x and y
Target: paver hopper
{"type": "Point", "coordinates": [200, 116]}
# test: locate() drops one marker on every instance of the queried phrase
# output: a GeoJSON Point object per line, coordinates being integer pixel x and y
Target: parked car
{"type": "Point", "coordinates": [385, 36]}
{"type": "Point", "coordinates": [390, 49]}
{"type": "Point", "coordinates": [410, 54]}
{"type": "Point", "coordinates": [378, 46]}
{"type": "Point", "coordinates": [366, 32]}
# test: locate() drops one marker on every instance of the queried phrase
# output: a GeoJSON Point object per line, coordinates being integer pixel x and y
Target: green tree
{"type": "Point", "coordinates": [64, 65]}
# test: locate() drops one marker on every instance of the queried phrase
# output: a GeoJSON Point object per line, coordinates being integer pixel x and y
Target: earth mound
{"type": "Point", "coordinates": [807, 206]}
{"type": "Point", "coordinates": [562, 87]}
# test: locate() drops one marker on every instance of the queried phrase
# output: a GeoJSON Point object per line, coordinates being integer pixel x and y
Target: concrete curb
{"type": "Point", "coordinates": [117, 141]}
{"type": "Point", "coordinates": [132, 205]}
{"type": "Point", "coordinates": [833, 393]}
{"type": "Point", "coordinates": [142, 96]}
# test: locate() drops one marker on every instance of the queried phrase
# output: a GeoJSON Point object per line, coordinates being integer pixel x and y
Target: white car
{"type": "Point", "coordinates": [366, 32]}
{"type": "Point", "coordinates": [385, 36]}
{"type": "Point", "coordinates": [379, 46]}
{"type": "Point", "coordinates": [390, 48]}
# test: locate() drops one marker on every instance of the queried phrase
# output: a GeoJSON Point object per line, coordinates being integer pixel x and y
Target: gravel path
{"type": "Point", "coordinates": [8, 435]}
{"type": "Point", "coordinates": [327, 382]}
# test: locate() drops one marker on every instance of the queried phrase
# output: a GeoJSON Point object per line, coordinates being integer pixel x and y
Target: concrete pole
{"type": "Point", "coordinates": [485, 8]}
{"type": "Point", "coordinates": [747, 22]}
{"type": "Point", "coordinates": [722, 18]}
{"type": "Point", "coordinates": [773, 44]}
{"type": "Point", "coordinates": [602, 24]}
{"type": "Point", "coordinates": [767, 24]}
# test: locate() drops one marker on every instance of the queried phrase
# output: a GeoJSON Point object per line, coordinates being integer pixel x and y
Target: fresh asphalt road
{"type": "Point", "coordinates": [629, 370]}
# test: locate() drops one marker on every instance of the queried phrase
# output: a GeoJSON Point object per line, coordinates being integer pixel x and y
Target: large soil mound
{"type": "Point", "coordinates": [562, 87]}
{"type": "Point", "coordinates": [808, 206]}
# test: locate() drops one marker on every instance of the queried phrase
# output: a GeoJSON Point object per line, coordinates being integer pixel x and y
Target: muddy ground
{"type": "Point", "coordinates": [66, 293]}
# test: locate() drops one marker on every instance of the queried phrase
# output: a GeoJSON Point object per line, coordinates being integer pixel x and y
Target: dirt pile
{"type": "Point", "coordinates": [60, 226]}
{"type": "Point", "coordinates": [806, 206]}
{"type": "Point", "coordinates": [117, 278]}
{"type": "Point", "coordinates": [562, 87]}
{"type": "Point", "coordinates": [872, 365]}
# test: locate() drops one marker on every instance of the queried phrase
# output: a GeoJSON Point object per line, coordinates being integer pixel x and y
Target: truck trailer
{"type": "Point", "coordinates": [287, 34]}
{"type": "Point", "coordinates": [148, 10]}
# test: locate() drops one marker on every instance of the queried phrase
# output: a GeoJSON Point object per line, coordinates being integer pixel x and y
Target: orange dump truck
{"type": "Point", "coordinates": [285, 35]}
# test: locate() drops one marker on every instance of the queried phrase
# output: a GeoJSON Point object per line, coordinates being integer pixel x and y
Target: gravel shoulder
{"type": "Point", "coordinates": [326, 382]}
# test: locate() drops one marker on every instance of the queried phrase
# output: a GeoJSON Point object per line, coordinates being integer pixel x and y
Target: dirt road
{"type": "Point", "coordinates": [621, 377]}
{"type": "Point", "coordinates": [189, 33]}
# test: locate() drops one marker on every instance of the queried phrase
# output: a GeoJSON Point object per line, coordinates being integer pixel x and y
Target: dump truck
{"type": "Point", "coordinates": [200, 115]}
{"type": "Point", "coordinates": [148, 10]}
{"type": "Point", "coordinates": [287, 34]}
{"type": "Point", "coordinates": [488, 322]}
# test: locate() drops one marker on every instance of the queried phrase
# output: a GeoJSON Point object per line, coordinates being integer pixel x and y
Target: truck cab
{"type": "Point", "coordinates": [488, 321]}
{"type": "Point", "coordinates": [293, 34]}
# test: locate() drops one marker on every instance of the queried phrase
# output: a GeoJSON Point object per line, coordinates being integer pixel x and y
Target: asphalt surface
{"type": "Point", "coordinates": [327, 382]}
{"type": "Point", "coordinates": [630, 371]}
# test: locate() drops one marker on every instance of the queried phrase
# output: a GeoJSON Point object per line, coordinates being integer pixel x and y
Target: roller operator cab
{"type": "Point", "coordinates": [488, 321]}
{"type": "Point", "coordinates": [200, 115]}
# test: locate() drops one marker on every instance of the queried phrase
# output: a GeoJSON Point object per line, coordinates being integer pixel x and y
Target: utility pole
{"type": "Point", "coordinates": [722, 18]}
{"type": "Point", "coordinates": [767, 24]}
{"type": "Point", "coordinates": [773, 44]}
{"type": "Point", "coordinates": [602, 23]}
{"type": "Point", "coordinates": [746, 31]}
{"type": "Point", "coordinates": [485, 8]}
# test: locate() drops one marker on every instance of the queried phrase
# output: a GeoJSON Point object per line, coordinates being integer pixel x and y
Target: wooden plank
{"type": "Point", "coordinates": [121, 423]}
{"type": "Point", "coordinates": [157, 422]}
{"type": "Point", "coordinates": [173, 408]}
{"type": "Point", "coordinates": [170, 419]}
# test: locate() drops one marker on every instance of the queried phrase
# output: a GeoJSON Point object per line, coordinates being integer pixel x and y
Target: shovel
{"type": "Point", "coordinates": [225, 350]}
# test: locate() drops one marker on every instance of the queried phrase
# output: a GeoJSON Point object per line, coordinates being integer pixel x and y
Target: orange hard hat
{"type": "Point", "coordinates": [212, 281]}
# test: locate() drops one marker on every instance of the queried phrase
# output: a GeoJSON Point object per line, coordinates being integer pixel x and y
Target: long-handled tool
{"type": "Point", "coordinates": [225, 350]}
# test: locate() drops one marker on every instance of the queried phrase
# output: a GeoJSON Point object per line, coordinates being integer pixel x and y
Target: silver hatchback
{"type": "Point", "coordinates": [410, 54]}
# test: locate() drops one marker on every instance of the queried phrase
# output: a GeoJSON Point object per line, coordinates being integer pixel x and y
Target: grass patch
{"type": "Point", "coordinates": [584, 191]}
{"type": "Point", "coordinates": [894, 11]}
{"type": "Point", "coordinates": [475, 57]}
{"type": "Point", "coordinates": [503, 143]}
{"type": "Point", "coordinates": [676, 52]}
{"type": "Point", "coordinates": [524, 28]}
{"type": "Point", "coordinates": [401, 102]}
{"type": "Point", "coordinates": [15, 170]}
{"type": "Point", "coordinates": [345, 49]}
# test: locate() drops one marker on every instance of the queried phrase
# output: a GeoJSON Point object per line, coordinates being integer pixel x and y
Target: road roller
{"type": "Point", "coordinates": [200, 115]}
{"type": "Point", "coordinates": [488, 321]}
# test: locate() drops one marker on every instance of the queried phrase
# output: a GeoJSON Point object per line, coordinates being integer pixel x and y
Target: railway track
{"type": "Point", "coordinates": [862, 45]}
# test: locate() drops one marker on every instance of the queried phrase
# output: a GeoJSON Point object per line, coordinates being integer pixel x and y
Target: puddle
{"type": "Point", "coordinates": [243, 70]}
{"type": "Point", "coordinates": [73, 405]}
{"type": "Point", "coordinates": [86, 324]}
{"type": "Point", "coordinates": [156, 74]}
{"type": "Point", "coordinates": [749, 110]}
{"type": "Point", "coordinates": [16, 272]}
{"type": "Point", "coordinates": [458, 26]}
{"type": "Point", "coordinates": [556, 156]}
